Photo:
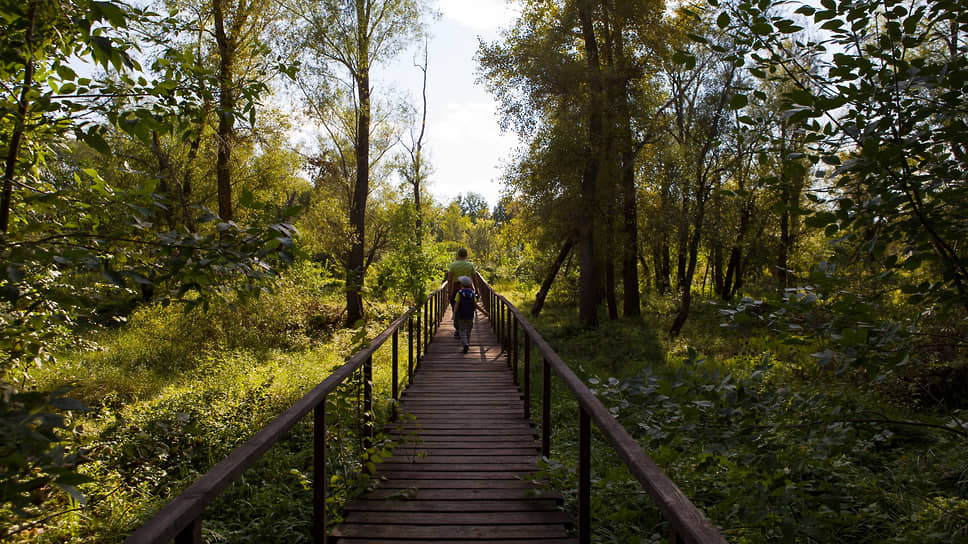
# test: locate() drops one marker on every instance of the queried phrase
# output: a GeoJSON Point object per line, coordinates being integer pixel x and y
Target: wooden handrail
{"type": "Point", "coordinates": [689, 525]}
{"type": "Point", "coordinates": [181, 518]}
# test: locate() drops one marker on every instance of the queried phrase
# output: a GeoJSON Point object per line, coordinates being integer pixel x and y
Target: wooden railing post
{"type": "Point", "coordinates": [419, 338]}
{"type": "Point", "coordinates": [396, 373]}
{"type": "Point", "coordinates": [368, 403]}
{"type": "Point", "coordinates": [584, 477]}
{"type": "Point", "coordinates": [319, 473]}
{"type": "Point", "coordinates": [527, 376]}
{"type": "Point", "coordinates": [191, 534]}
{"type": "Point", "coordinates": [546, 409]}
{"type": "Point", "coordinates": [514, 347]}
{"type": "Point", "coordinates": [507, 328]}
{"type": "Point", "coordinates": [410, 349]}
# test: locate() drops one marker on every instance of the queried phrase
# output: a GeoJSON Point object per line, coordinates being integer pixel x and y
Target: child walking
{"type": "Point", "coordinates": [464, 311]}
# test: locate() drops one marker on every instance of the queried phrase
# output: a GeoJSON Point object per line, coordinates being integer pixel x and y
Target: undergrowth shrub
{"type": "Point", "coordinates": [770, 443]}
{"type": "Point", "coordinates": [172, 393]}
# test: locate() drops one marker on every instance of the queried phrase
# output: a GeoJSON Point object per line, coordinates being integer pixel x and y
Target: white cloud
{"type": "Point", "coordinates": [479, 15]}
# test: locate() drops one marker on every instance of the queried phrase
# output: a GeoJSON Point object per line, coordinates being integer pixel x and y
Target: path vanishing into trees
{"type": "Point", "coordinates": [468, 449]}
{"type": "Point", "coordinates": [462, 470]}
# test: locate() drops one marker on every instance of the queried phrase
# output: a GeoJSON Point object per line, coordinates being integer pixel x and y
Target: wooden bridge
{"type": "Point", "coordinates": [462, 473]}
{"type": "Point", "coordinates": [468, 448]}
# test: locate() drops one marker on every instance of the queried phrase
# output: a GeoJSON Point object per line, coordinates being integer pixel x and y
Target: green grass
{"type": "Point", "coordinates": [171, 394]}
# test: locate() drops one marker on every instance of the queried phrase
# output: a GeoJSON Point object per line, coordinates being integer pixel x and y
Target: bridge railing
{"type": "Point", "coordinates": [181, 519]}
{"type": "Point", "coordinates": [688, 525]}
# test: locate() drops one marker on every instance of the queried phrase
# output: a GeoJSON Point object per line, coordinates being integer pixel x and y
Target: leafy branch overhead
{"type": "Point", "coordinates": [878, 91]}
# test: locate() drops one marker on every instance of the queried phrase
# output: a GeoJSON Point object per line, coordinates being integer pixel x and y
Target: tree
{"type": "Point", "coordinates": [416, 170]}
{"type": "Point", "coordinates": [885, 113]}
{"type": "Point", "coordinates": [353, 37]}
{"type": "Point", "coordinates": [65, 222]}
{"type": "Point", "coordinates": [701, 90]}
{"type": "Point", "coordinates": [473, 205]}
{"type": "Point", "coordinates": [568, 76]}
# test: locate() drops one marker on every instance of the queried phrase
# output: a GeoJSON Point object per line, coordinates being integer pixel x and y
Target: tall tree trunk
{"type": "Point", "coordinates": [589, 280]}
{"type": "Point", "coordinates": [417, 154]}
{"type": "Point", "coordinates": [13, 148]}
{"type": "Point", "coordinates": [610, 301]}
{"type": "Point", "coordinates": [719, 279]}
{"type": "Point", "coordinates": [644, 265]}
{"type": "Point", "coordinates": [792, 187]}
{"type": "Point", "coordinates": [732, 281]}
{"type": "Point", "coordinates": [682, 256]}
{"type": "Point", "coordinates": [631, 301]}
{"type": "Point", "coordinates": [550, 277]}
{"type": "Point", "coordinates": [685, 300]}
{"type": "Point", "coordinates": [166, 174]}
{"type": "Point", "coordinates": [226, 111]}
{"type": "Point", "coordinates": [355, 269]}
{"type": "Point", "coordinates": [663, 265]}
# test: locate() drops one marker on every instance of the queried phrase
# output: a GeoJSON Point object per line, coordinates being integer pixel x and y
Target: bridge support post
{"type": "Point", "coordinates": [527, 376]}
{"type": "Point", "coordinates": [368, 403]}
{"type": "Point", "coordinates": [409, 349]}
{"type": "Point", "coordinates": [396, 373]}
{"type": "Point", "coordinates": [546, 409]}
{"type": "Point", "coordinates": [419, 338]}
{"type": "Point", "coordinates": [584, 477]}
{"type": "Point", "coordinates": [514, 347]}
{"type": "Point", "coordinates": [319, 473]}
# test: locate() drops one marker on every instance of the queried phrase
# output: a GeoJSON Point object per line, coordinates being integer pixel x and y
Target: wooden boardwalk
{"type": "Point", "coordinates": [461, 473]}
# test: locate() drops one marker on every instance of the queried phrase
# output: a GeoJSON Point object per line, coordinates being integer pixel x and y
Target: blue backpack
{"type": "Point", "coordinates": [465, 303]}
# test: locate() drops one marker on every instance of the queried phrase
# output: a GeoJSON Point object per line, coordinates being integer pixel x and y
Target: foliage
{"type": "Point", "coordinates": [72, 237]}
{"type": "Point", "coordinates": [172, 393]}
{"type": "Point", "coordinates": [883, 109]}
{"type": "Point", "coordinates": [770, 443]}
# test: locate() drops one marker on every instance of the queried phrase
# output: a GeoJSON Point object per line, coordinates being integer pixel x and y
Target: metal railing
{"type": "Point", "coordinates": [181, 519]}
{"type": "Point", "coordinates": [688, 524]}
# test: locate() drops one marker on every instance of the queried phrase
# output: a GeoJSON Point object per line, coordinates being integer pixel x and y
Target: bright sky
{"type": "Point", "coordinates": [465, 143]}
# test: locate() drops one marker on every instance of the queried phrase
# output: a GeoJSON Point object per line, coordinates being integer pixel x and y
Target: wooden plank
{"type": "Point", "coordinates": [409, 472]}
{"type": "Point", "coordinates": [465, 459]}
{"type": "Point", "coordinates": [458, 518]}
{"type": "Point", "coordinates": [448, 532]}
{"type": "Point", "coordinates": [466, 441]}
{"type": "Point", "coordinates": [464, 494]}
{"type": "Point", "coordinates": [444, 449]}
{"type": "Point", "coordinates": [441, 483]}
{"type": "Point", "coordinates": [476, 541]}
{"type": "Point", "coordinates": [384, 505]}
{"type": "Point", "coordinates": [531, 466]}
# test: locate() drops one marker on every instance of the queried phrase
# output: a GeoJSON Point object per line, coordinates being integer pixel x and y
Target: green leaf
{"type": "Point", "coordinates": [96, 141]}
{"type": "Point", "coordinates": [738, 101]}
{"type": "Point", "coordinates": [684, 58]}
{"type": "Point", "coordinates": [246, 198]}
{"type": "Point", "coordinates": [723, 20]}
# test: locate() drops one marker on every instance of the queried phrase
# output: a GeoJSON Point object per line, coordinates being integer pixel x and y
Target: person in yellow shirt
{"type": "Point", "coordinates": [458, 268]}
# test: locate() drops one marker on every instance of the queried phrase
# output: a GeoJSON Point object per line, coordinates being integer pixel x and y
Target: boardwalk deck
{"type": "Point", "coordinates": [461, 473]}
